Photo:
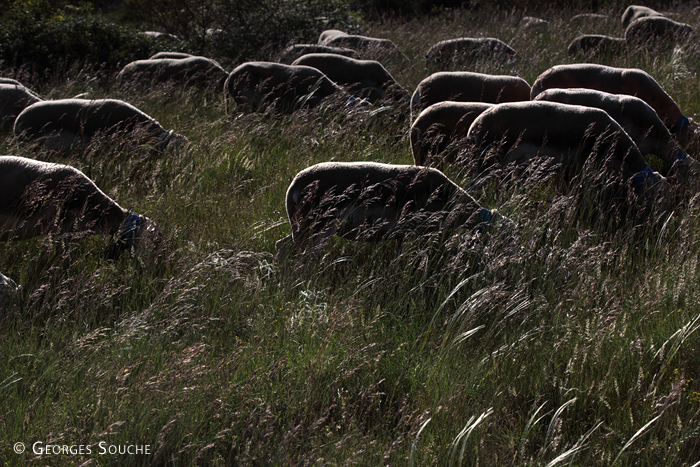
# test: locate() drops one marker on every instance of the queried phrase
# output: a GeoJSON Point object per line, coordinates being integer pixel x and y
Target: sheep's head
{"type": "Point", "coordinates": [9, 291]}
{"type": "Point", "coordinates": [653, 190]}
{"type": "Point", "coordinates": [137, 232]}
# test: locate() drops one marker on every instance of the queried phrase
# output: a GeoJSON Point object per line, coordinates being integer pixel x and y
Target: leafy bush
{"type": "Point", "coordinates": [241, 30]}
{"type": "Point", "coordinates": [36, 34]}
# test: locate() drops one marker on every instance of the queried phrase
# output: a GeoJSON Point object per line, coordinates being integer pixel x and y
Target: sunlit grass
{"type": "Point", "coordinates": [572, 339]}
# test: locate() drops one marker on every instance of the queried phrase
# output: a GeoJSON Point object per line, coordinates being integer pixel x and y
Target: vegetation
{"type": "Point", "coordinates": [570, 339]}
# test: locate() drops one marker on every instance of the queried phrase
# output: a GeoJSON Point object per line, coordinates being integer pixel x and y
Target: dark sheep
{"type": "Point", "coordinates": [568, 135]}
{"type": "Point", "coordinates": [293, 52]}
{"type": "Point", "coordinates": [631, 81]}
{"type": "Point", "coordinates": [657, 31]}
{"type": "Point", "coordinates": [14, 98]}
{"type": "Point", "coordinates": [634, 115]}
{"type": "Point", "coordinates": [254, 86]}
{"type": "Point", "coordinates": [369, 201]}
{"type": "Point", "coordinates": [596, 45]}
{"type": "Point", "coordinates": [363, 78]}
{"type": "Point", "coordinates": [634, 12]}
{"type": "Point", "coordinates": [466, 51]}
{"type": "Point", "coordinates": [439, 125]}
{"type": "Point", "coordinates": [42, 198]}
{"type": "Point", "coordinates": [199, 71]}
{"type": "Point", "coordinates": [371, 47]}
{"type": "Point", "coordinates": [63, 124]}
{"type": "Point", "coordinates": [465, 86]}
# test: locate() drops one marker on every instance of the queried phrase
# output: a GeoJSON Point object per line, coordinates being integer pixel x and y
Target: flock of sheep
{"type": "Point", "coordinates": [571, 113]}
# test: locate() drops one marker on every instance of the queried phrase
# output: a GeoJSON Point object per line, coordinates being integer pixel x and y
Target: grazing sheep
{"type": "Point", "coordinates": [330, 34]}
{"type": "Point", "coordinates": [597, 45]}
{"type": "Point", "coordinates": [588, 20]}
{"type": "Point", "coordinates": [531, 23]}
{"type": "Point", "coordinates": [368, 201]}
{"type": "Point", "coordinates": [61, 124]}
{"type": "Point", "coordinates": [195, 70]}
{"type": "Point", "coordinates": [464, 86]}
{"type": "Point", "coordinates": [634, 12]}
{"type": "Point", "coordinates": [467, 50]}
{"type": "Point", "coordinates": [257, 85]}
{"type": "Point", "coordinates": [363, 78]}
{"type": "Point", "coordinates": [567, 134]}
{"type": "Point", "coordinates": [159, 35]}
{"type": "Point", "coordinates": [171, 55]}
{"type": "Point", "coordinates": [440, 124]}
{"type": "Point", "coordinates": [295, 51]}
{"type": "Point", "coordinates": [14, 98]}
{"type": "Point", "coordinates": [10, 81]}
{"type": "Point", "coordinates": [655, 31]}
{"type": "Point", "coordinates": [42, 198]}
{"type": "Point", "coordinates": [368, 46]}
{"type": "Point", "coordinates": [633, 82]}
{"type": "Point", "coordinates": [8, 291]}
{"type": "Point", "coordinates": [634, 115]}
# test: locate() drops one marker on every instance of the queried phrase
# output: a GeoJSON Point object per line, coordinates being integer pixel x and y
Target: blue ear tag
{"type": "Point", "coordinates": [680, 156]}
{"type": "Point", "coordinates": [129, 226]}
{"type": "Point", "coordinates": [679, 125]}
{"type": "Point", "coordinates": [164, 139]}
{"type": "Point", "coordinates": [641, 177]}
{"type": "Point", "coordinates": [484, 216]}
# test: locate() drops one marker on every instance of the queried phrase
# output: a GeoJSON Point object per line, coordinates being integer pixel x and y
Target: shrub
{"type": "Point", "coordinates": [241, 30]}
{"type": "Point", "coordinates": [36, 34]}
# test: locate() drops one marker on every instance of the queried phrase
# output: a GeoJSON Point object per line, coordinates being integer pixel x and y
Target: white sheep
{"type": "Point", "coordinates": [66, 123]}
{"type": "Point", "coordinates": [634, 115]}
{"type": "Point", "coordinates": [43, 198]}
{"type": "Point", "coordinates": [368, 201]}
{"type": "Point", "coordinates": [256, 85]}
{"type": "Point", "coordinates": [568, 135]}
{"type": "Point", "coordinates": [14, 97]}
{"type": "Point", "coordinates": [631, 81]}
{"type": "Point", "coordinates": [465, 86]}
{"type": "Point", "coordinates": [363, 78]}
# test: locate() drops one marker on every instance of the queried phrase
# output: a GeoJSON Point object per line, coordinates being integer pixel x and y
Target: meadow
{"type": "Point", "coordinates": [569, 340]}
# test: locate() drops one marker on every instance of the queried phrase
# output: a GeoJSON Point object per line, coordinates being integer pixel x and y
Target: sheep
{"type": "Point", "coordinates": [257, 85]}
{"type": "Point", "coordinates": [634, 12]}
{"type": "Point", "coordinates": [10, 81]}
{"type": "Point", "coordinates": [330, 34]}
{"type": "Point", "coordinates": [597, 45]}
{"type": "Point", "coordinates": [363, 78]}
{"type": "Point", "coordinates": [369, 201]}
{"type": "Point", "coordinates": [534, 24]}
{"type": "Point", "coordinates": [633, 82]}
{"type": "Point", "coordinates": [657, 31]}
{"type": "Point", "coordinates": [440, 124]}
{"type": "Point", "coordinates": [588, 20]}
{"type": "Point", "coordinates": [200, 71]}
{"type": "Point", "coordinates": [368, 46]}
{"type": "Point", "coordinates": [9, 291]}
{"type": "Point", "coordinates": [171, 55]}
{"type": "Point", "coordinates": [159, 35]}
{"type": "Point", "coordinates": [62, 124]}
{"type": "Point", "coordinates": [466, 50]}
{"type": "Point", "coordinates": [634, 115]}
{"type": "Point", "coordinates": [568, 135]}
{"type": "Point", "coordinates": [43, 198]}
{"type": "Point", "coordinates": [293, 52]}
{"type": "Point", "coordinates": [14, 98]}
{"type": "Point", "coordinates": [464, 86]}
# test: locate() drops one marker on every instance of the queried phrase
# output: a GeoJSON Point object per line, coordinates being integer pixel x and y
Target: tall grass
{"type": "Point", "coordinates": [572, 339]}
